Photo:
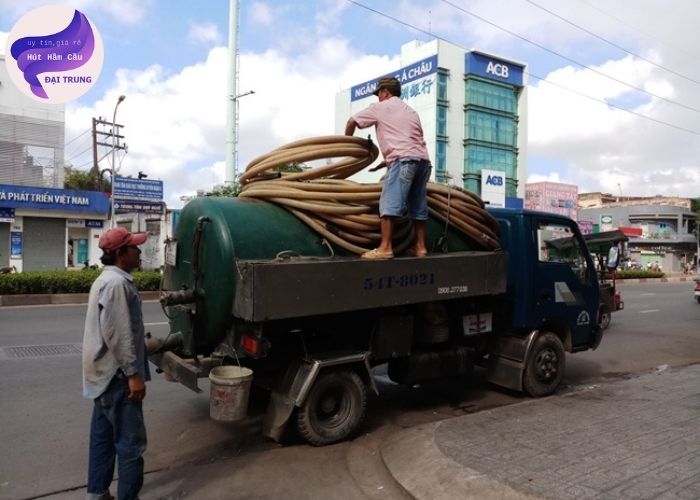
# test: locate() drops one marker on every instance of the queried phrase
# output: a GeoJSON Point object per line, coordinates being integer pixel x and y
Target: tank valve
{"type": "Point", "coordinates": [178, 297]}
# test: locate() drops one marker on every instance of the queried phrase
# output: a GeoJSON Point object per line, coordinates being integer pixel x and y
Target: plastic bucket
{"type": "Point", "coordinates": [230, 388]}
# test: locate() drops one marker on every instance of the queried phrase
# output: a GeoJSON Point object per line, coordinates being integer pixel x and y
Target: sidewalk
{"type": "Point", "coordinates": [634, 438]}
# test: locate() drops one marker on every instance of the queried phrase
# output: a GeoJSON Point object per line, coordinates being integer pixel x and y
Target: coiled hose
{"type": "Point", "coordinates": [346, 212]}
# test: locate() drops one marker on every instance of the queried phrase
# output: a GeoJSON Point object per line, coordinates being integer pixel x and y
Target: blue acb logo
{"type": "Point", "coordinates": [494, 180]}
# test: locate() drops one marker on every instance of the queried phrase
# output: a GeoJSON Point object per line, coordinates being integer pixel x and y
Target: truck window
{"type": "Point", "coordinates": [558, 243]}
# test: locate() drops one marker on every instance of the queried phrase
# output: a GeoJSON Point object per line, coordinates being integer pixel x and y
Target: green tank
{"type": "Point", "coordinates": [213, 234]}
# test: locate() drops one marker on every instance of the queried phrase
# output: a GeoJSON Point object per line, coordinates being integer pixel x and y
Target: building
{"type": "Point", "coordinates": [473, 107]}
{"type": "Point", "coordinates": [42, 225]}
{"type": "Point", "coordinates": [552, 197]}
{"type": "Point", "coordinates": [660, 229]}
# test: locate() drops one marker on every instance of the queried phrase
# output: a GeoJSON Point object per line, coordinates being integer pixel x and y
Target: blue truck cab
{"type": "Point", "coordinates": [553, 290]}
{"type": "Point", "coordinates": [551, 276]}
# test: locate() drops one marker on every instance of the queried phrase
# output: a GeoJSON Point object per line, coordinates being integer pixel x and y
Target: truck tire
{"type": "Point", "coordinates": [604, 317]}
{"type": "Point", "coordinates": [544, 368]}
{"type": "Point", "coordinates": [334, 408]}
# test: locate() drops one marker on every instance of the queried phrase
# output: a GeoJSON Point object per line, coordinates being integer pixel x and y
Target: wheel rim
{"type": "Point", "coordinates": [332, 408]}
{"type": "Point", "coordinates": [547, 365]}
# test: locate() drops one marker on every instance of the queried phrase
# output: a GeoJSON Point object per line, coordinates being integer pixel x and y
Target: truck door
{"type": "Point", "coordinates": [565, 283]}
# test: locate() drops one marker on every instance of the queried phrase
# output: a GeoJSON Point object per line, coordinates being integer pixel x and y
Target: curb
{"type": "Point", "coordinates": [448, 479]}
{"type": "Point", "coordinates": [43, 299]}
{"type": "Point", "coordinates": [669, 279]}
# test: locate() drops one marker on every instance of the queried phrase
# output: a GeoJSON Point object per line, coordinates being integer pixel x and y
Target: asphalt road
{"type": "Point", "coordinates": [44, 420]}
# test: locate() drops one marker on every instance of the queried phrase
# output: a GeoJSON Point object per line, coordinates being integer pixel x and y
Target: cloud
{"type": "Point", "coordinates": [174, 123]}
{"type": "Point", "coordinates": [600, 146]}
{"type": "Point", "coordinates": [204, 33]}
{"type": "Point", "coordinates": [124, 11]}
{"type": "Point", "coordinates": [260, 13]}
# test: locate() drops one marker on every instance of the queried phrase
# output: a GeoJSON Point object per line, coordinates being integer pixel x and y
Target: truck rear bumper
{"type": "Point", "coordinates": [185, 371]}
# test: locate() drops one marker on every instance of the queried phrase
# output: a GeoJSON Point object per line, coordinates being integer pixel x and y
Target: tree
{"type": "Point", "coordinates": [83, 180]}
{"type": "Point", "coordinates": [234, 189]}
{"type": "Point", "coordinates": [229, 190]}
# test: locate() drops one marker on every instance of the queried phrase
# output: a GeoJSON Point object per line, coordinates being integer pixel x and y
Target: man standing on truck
{"type": "Point", "coordinates": [115, 369]}
{"type": "Point", "coordinates": [400, 138]}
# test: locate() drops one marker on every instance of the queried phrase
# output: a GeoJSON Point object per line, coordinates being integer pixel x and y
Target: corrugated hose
{"type": "Point", "coordinates": [346, 212]}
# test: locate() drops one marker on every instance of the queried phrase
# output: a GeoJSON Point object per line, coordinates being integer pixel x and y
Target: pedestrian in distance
{"type": "Point", "coordinates": [400, 138]}
{"type": "Point", "coordinates": [115, 369]}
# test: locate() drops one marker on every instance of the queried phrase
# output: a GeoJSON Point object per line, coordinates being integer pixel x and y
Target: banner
{"type": "Point", "coordinates": [53, 199]}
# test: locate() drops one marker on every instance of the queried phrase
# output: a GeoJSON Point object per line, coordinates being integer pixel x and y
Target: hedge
{"type": "Point", "coordinates": [66, 281]}
{"type": "Point", "coordinates": [639, 273]}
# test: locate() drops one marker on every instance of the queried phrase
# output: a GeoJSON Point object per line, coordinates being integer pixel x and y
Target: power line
{"type": "Point", "coordinates": [641, 115]}
{"type": "Point", "coordinates": [76, 146]}
{"type": "Point", "coordinates": [77, 136]}
{"type": "Point", "coordinates": [613, 44]}
{"type": "Point", "coordinates": [639, 89]}
{"type": "Point", "coordinates": [675, 47]}
{"type": "Point", "coordinates": [420, 30]}
{"type": "Point", "coordinates": [79, 154]}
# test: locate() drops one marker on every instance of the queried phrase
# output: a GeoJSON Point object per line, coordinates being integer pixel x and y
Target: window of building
{"type": "Point", "coordinates": [477, 157]}
{"type": "Point", "coordinates": [441, 121]}
{"type": "Point", "coordinates": [491, 95]}
{"type": "Point", "coordinates": [440, 160]}
{"type": "Point", "coordinates": [442, 86]}
{"type": "Point", "coordinates": [489, 127]}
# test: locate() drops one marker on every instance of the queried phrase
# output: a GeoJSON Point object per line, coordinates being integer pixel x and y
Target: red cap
{"type": "Point", "coordinates": [119, 237]}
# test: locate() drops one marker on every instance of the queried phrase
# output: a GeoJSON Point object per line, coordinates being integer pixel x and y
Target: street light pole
{"type": "Point", "coordinates": [235, 132]}
{"type": "Point", "coordinates": [114, 152]}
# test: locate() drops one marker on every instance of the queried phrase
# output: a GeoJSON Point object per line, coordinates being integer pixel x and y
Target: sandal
{"type": "Point", "coordinates": [377, 254]}
{"type": "Point", "coordinates": [412, 252]}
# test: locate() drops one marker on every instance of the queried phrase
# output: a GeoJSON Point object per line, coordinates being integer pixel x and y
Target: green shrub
{"type": "Point", "coordinates": [639, 273]}
{"type": "Point", "coordinates": [66, 281]}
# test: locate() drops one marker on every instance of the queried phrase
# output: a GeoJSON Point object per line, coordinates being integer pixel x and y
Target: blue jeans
{"type": "Point", "coordinates": [116, 430]}
{"type": "Point", "coordinates": [405, 186]}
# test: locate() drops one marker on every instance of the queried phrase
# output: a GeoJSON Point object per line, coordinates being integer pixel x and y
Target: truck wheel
{"type": "Point", "coordinates": [334, 408]}
{"type": "Point", "coordinates": [544, 368]}
{"type": "Point", "coordinates": [604, 317]}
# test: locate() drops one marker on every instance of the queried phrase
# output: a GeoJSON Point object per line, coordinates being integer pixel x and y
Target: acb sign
{"type": "Point", "coordinates": [493, 187]}
{"type": "Point", "coordinates": [494, 180]}
{"type": "Point", "coordinates": [500, 70]}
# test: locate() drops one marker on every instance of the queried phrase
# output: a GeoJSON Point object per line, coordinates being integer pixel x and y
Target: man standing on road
{"type": "Point", "coordinates": [115, 369]}
{"type": "Point", "coordinates": [400, 138]}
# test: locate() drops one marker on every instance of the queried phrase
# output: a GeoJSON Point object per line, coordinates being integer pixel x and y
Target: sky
{"type": "Point", "coordinates": [613, 93]}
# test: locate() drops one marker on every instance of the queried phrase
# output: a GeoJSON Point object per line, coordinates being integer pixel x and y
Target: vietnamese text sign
{"type": "Point", "coordinates": [16, 244]}
{"type": "Point", "coordinates": [53, 199]}
{"type": "Point", "coordinates": [137, 206]}
{"type": "Point", "coordinates": [408, 74]}
{"type": "Point", "coordinates": [127, 188]}
{"type": "Point", "coordinates": [7, 214]}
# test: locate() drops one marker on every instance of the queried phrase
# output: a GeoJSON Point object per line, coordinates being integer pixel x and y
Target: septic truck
{"type": "Point", "coordinates": [247, 283]}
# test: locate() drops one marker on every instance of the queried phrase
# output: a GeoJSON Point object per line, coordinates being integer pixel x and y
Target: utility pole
{"type": "Point", "coordinates": [95, 165]}
{"type": "Point", "coordinates": [230, 171]}
{"type": "Point", "coordinates": [110, 138]}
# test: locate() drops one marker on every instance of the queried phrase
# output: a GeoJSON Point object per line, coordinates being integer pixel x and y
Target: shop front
{"type": "Point", "coordinates": [46, 229]}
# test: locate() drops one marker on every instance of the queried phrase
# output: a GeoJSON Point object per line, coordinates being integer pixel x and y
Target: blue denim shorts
{"type": "Point", "coordinates": [405, 189]}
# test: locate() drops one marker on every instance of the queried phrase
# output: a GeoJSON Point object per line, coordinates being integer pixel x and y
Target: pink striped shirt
{"type": "Point", "coordinates": [399, 131]}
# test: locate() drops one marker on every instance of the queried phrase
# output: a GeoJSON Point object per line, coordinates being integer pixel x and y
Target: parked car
{"type": "Point", "coordinates": [697, 290]}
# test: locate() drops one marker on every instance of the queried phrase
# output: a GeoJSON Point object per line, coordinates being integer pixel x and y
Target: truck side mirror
{"type": "Point", "coordinates": [613, 257]}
